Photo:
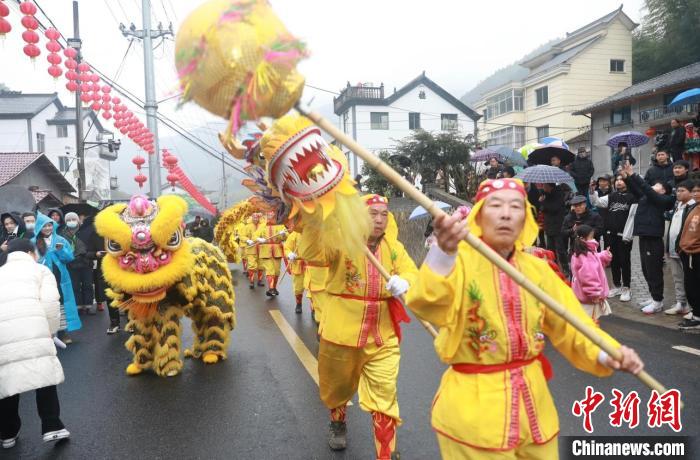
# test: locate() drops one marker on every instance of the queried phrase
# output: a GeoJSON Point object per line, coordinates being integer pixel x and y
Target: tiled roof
{"type": "Point", "coordinates": [689, 74]}
{"type": "Point", "coordinates": [12, 164]}
{"type": "Point", "coordinates": [39, 195]}
{"type": "Point", "coordinates": [24, 105]}
{"type": "Point", "coordinates": [564, 57]}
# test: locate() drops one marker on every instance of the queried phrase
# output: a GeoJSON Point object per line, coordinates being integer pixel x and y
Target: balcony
{"type": "Point", "coordinates": [666, 113]}
{"type": "Point", "coordinates": [358, 95]}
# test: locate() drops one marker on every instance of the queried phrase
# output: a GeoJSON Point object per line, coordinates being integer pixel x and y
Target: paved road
{"type": "Point", "coordinates": [262, 403]}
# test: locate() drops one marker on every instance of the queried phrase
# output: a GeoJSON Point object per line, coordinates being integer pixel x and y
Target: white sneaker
{"type": "Point", "coordinates": [688, 315]}
{"type": "Point", "coordinates": [653, 307]}
{"type": "Point", "coordinates": [625, 295]}
{"type": "Point", "coordinates": [645, 302]}
{"type": "Point", "coordinates": [678, 309]}
{"type": "Point", "coordinates": [56, 435]}
{"type": "Point", "coordinates": [614, 292]}
{"type": "Point", "coordinates": [9, 443]}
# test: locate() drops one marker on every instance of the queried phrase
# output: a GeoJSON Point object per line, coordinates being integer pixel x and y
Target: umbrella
{"type": "Point", "coordinates": [421, 212]}
{"type": "Point", "coordinates": [631, 138]}
{"type": "Point", "coordinates": [543, 174]}
{"type": "Point", "coordinates": [556, 141]}
{"type": "Point", "coordinates": [543, 155]}
{"type": "Point", "coordinates": [691, 96]}
{"type": "Point", "coordinates": [485, 155]}
{"type": "Point", "coordinates": [81, 209]}
{"type": "Point", "coordinates": [511, 156]}
{"type": "Point", "coordinates": [527, 149]}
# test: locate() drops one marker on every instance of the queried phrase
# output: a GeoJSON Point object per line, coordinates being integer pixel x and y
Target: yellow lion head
{"type": "Point", "coordinates": [147, 252]}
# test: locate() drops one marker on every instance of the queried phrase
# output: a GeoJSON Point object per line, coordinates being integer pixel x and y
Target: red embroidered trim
{"type": "Point", "coordinates": [384, 434]}
{"type": "Point", "coordinates": [370, 322]}
{"type": "Point", "coordinates": [338, 414]}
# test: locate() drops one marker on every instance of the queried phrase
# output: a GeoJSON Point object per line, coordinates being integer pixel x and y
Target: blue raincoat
{"type": "Point", "coordinates": [59, 259]}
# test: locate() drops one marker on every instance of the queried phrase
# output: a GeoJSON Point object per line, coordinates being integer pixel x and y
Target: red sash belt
{"type": "Point", "coordinates": [468, 368]}
{"type": "Point", "coordinates": [397, 312]}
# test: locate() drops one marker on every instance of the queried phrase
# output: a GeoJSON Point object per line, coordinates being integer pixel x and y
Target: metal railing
{"type": "Point", "coordinates": [358, 94]}
{"type": "Point", "coordinates": [664, 111]}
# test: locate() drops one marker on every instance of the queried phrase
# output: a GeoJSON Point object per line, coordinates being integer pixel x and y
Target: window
{"type": "Point", "coordinates": [63, 164]}
{"type": "Point", "coordinates": [505, 102]}
{"type": "Point", "coordinates": [486, 115]}
{"type": "Point", "coordinates": [542, 96]}
{"type": "Point", "coordinates": [346, 118]}
{"type": "Point", "coordinates": [542, 132]}
{"type": "Point", "coordinates": [448, 122]}
{"type": "Point", "coordinates": [379, 120]}
{"type": "Point", "coordinates": [61, 131]}
{"type": "Point", "coordinates": [40, 142]}
{"type": "Point", "coordinates": [617, 65]}
{"type": "Point", "coordinates": [421, 94]}
{"type": "Point", "coordinates": [414, 120]}
{"type": "Point", "coordinates": [512, 136]}
{"type": "Point", "coordinates": [621, 116]}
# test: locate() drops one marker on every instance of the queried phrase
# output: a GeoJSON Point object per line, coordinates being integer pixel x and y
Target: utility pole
{"type": "Point", "coordinates": [223, 183]}
{"type": "Point", "coordinates": [76, 43]}
{"type": "Point", "coordinates": [147, 35]}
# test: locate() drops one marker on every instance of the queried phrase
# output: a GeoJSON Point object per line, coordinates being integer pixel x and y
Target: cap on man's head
{"type": "Point", "coordinates": [20, 245]}
{"type": "Point", "coordinates": [490, 186]}
{"type": "Point", "coordinates": [577, 200]}
{"type": "Point", "coordinates": [371, 200]}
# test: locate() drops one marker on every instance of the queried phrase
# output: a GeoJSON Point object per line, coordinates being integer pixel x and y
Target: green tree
{"type": "Point", "coordinates": [440, 158]}
{"type": "Point", "coordinates": [667, 39]}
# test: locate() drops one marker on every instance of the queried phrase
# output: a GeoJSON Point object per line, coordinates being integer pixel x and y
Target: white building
{"type": "Point", "coordinates": [377, 122]}
{"type": "Point", "coordinates": [40, 123]}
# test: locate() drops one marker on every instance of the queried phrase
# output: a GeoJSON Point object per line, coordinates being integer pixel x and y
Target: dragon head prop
{"type": "Point", "coordinates": [147, 252]}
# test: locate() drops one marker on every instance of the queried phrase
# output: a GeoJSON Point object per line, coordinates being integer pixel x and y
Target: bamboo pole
{"type": "Point", "coordinates": [266, 239]}
{"type": "Point", "coordinates": [491, 255]}
{"type": "Point", "coordinates": [386, 275]}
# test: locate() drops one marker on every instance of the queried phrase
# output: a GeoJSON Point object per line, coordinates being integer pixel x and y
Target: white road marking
{"type": "Point", "coordinates": [692, 351]}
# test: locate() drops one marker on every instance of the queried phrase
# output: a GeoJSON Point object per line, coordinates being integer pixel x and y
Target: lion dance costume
{"type": "Point", "coordinates": [493, 401]}
{"type": "Point", "coordinates": [157, 276]}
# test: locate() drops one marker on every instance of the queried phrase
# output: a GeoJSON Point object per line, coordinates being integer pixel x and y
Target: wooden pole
{"type": "Point", "coordinates": [386, 275]}
{"type": "Point", "coordinates": [492, 256]}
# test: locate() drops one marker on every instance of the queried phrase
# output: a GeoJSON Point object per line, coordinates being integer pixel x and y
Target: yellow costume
{"type": "Point", "coordinates": [270, 252]}
{"type": "Point", "coordinates": [295, 267]}
{"type": "Point", "coordinates": [493, 401]}
{"type": "Point", "coordinates": [251, 251]}
{"type": "Point", "coordinates": [359, 350]}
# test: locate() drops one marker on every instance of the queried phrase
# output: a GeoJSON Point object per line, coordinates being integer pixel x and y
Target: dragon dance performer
{"type": "Point", "coordinates": [251, 249]}
{"type": "Point", "coordinates": [270, 238]}
{"type": "Point", "coordinates": [237, 236]}
{"type": "Point", "coordinates": [295, 265]}
{"type": "Point", "coordinates": [493, 401]}
{"type": "Point", "coordinates": [359, 349]}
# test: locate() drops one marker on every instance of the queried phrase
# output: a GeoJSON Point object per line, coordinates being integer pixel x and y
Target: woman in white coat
{"type": "Point", "coordinates": [29, 315]}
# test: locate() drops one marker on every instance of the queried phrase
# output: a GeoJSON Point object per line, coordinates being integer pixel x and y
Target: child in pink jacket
{"type": "Point", "coordinates": [588, 273]}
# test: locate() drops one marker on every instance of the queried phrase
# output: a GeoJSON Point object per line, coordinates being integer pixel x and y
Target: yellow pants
{"type": "Point", "coordinates": [271, 266]}
{"type": "Point", "coordinates": [298, 284]}
{"type": "Point", "coordinates": [526, 449]}
{"type": "Point", "coordinates": [370, 371]}
{"type": "Point", "coordinates": [252, 260]}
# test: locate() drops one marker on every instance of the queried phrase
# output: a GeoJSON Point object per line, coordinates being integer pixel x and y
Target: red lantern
{"type": "Point", "coordinates": [54, 58]}
{"type": "Point", "coordinates": [124, 130]}
{"type": "Point", "coordinates": [55, 71]}
{"type": "Point", "coordinates": [106, 98]}
{"type": "Point", "coordinates": [138, 161]}
{"type": "Point", "coordinates": [84, 87]}
{"type": "Point", "coordinates": [30, 36]}
{"type": "Point", "coordinates": [95, 97]}
{"type": "Point", "coordinates": [140, 179]}
{"type": "Point", "coordinates": [27, 8]}
{"type": "Point", "coordinates": [106, 106]}
{"type": "Point", "coordinates": [95, 106]}
{"type": "Point", "coordinates": [72, 86]}
{"type": "Point", "coordinates": [53, 46]}
{"type": "Point", "coordinates": [85, 97]}
{"type": "Point", "coordinates": [72, 75]}
{"type": "Point", "coordinates": [32, 51]}
{"type": "Point", "coordinates": [173, 178]}
{"type": "Point", "coordinates": [30, 22]}
{"type": "Point", "coordinates": [5, 26]}
{"type": "Point", "coordinates": [95, 78]}
{"type": "Point", "coordinates": [170, 161]}
{"type": "Point", "coordinates": [72, 64]}
{"type": "Point", "coordinates": [70, 53]}
{"type": "Point", "coordinates": [84, 67]}
{"type": "Point", "coordinates": [116, 100]}
{"type": "Point", "coordinates": [52, 34]}
{"type": "Point", "coordinates": [106, 89]}
{"type": "Point", "coordinates": [4, 10]}
{"type": "Point", "coordinates": [106, 115]}
{"type": "Point", "coordinates": [94, 87]}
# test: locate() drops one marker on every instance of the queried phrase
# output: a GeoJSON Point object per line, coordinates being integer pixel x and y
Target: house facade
{"type": "Point", "coordinates": [40, 123]}
{"type": "Point", "coordinates": [643, 107]}
{"type": "Point", "coordinates": [535, 98]}
{"type": "Point", "coordinates": [377, 121]}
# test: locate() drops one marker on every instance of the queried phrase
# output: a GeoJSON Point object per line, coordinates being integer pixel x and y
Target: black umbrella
{"type": "Point", "coordinates": [81, 209]}
{"type": "Point", "coordinates": [543, 155]}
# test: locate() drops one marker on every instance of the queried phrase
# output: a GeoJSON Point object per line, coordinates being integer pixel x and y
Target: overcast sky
{"type": "Point", "coordinates": [457, 43]}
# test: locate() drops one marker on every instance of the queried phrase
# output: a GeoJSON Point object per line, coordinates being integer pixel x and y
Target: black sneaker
{"type": "Point", "coordinates": [261, 283]}
{"type": "Point", "coordinates": [337, 436]}
{"type": "Point", "coordinates": [298, 309]}
{"type": "Point", "coordinates": [689, 324]}
{"type": "Point", "coordinates": [275, 292]}
{"type": "Point", "coordinates": [113, 329]}
{"type": "Point", "coordinates": [395, 455]}
{"type": "Point", "coordinates": [269, 293]}
{"type": "Point", "coordinates": [252, 285]}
